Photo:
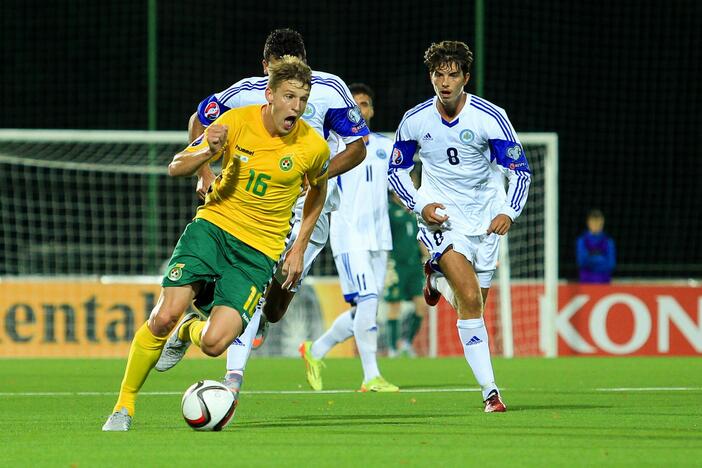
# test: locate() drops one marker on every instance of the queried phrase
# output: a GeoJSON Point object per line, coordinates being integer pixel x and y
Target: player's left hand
{"type": "Point", "coordinates": [500, 225]}
{"type": "Point", "coordinates": [292, 267]}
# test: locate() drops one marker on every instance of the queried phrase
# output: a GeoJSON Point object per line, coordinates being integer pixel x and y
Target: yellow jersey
{"type": "Point", "coordinates": [253, 197]}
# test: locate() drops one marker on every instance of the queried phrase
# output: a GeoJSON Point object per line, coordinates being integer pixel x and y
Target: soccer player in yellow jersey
{"type": "Point", "coordinates": [239, 233]}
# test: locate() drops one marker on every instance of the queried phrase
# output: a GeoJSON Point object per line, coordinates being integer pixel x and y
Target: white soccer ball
{"type": "Point", "coordinates": [208, 406]}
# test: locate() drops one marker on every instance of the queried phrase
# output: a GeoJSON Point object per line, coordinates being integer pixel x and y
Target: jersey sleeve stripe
{"type": "Point", "coordinates": [497, 116]}
{"type": "Point", "coordinates": [413, 111]}
{"type": "Point", "coordinates": [246, 85]}
{"type": "Point", "coordinates": [336, 86]}
{"type": "Point", "coordinates": [518, 196]}
{"type": "Point", "coordinates": [401, 192]}
{"type": "Point", "coordinates": [500, 116]}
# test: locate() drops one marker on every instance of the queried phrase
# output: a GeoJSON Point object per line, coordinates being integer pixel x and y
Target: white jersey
{"type": "Point", "coordinates": [330, 110]}
{"type": "Point", "coordinates": [464, 164]}
{"type": "Point", "coordinates": [362, 222]}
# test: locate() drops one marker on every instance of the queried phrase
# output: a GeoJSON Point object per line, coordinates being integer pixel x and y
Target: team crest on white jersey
{"type": "Point", "coordinates": [309, 111]}
{"type": "Point", "coordinates": [466, 136]}
{"type": "Point", "coordinates": [212, 111]}
{"type": "Point", "coordinates": [381, 154]}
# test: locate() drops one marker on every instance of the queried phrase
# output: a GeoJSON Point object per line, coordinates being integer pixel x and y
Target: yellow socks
{"type": "Point", "coordinates": [194, 330]}
{"type": "Point", "coordinates": [143, 355]}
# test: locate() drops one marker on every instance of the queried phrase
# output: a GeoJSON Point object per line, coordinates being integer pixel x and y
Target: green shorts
{"type": "Point", "coordinates": [207, 253]}
{"type": "Point", "coordinates": [404, 281]}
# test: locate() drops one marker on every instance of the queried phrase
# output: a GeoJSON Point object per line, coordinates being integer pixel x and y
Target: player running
{"type": "Point", "coordinates": [240, 232]}
{"type": "Point", "coordinates": [467, 146]}
{"type": "Point", "coordinates": [360, 241]}
{"type": "Point", "coordinates": [332, 112]}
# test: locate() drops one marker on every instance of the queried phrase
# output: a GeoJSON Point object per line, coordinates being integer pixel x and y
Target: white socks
{"type": "Point", "coordinates": [365, 330]}
{"type": "Point", "coordinates": [341, 330]}
{"type": "Point", "coordinates": [474, 339]}
{"type": "Point", "coordinates": [240, 350]}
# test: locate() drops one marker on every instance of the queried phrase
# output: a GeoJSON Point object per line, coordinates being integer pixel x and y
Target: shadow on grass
{"type": "Point", "coordinates": [346, 420]}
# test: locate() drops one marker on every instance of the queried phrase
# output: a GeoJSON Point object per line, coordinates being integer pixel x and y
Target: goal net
{"type": "Point", "coordinates": [98, 208]}
{"type": "Point", "coordinates": [520, 309]}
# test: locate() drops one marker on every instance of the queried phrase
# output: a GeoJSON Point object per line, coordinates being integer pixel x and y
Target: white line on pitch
{"type": "Point", "coordinates": [347, 391]}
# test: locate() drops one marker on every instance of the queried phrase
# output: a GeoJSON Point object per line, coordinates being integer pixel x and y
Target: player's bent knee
{"type": "Point", "coordinates": [163, 320]}
{"type": "Point", "coordinates": [213, 348]}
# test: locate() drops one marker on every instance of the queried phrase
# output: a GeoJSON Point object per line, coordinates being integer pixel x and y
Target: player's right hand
{"type": "Point", "coordinates": [431, 217]}
{"type": "Point", "coordinates": [217, 137]}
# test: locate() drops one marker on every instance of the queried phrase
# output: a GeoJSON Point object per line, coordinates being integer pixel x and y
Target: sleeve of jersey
{"type": "Point", "coordinates": [401, 164]}
{"type": "Point", "coordinates": [347, 122]}
{"type": "Point", "coordinates": [210, 109]}
{"type": "Point", "coordinates": [509, 156]}
{"type": "Point", "coordinates": [321, 163]}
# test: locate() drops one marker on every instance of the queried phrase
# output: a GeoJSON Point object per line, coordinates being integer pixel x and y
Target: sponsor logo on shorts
{"type": "Point", "coordinates": [286, 163]}
{"type": "Point", "coordinates": [175, 273]}
{"type": "Point", "coordinates": [212, 110]}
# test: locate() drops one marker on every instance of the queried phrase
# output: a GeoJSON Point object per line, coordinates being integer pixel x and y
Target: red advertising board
{"type": "Point", "coordinates": [598, 320]}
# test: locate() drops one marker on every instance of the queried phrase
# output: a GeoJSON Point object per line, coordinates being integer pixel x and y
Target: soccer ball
{"type": "Point", "coordinates": [208, 406]}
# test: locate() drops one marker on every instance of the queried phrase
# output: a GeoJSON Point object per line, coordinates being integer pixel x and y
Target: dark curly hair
{"type": "Point", "coordinates": [447, 52]}
{"type": "Point", "coordinates": [282, 42]}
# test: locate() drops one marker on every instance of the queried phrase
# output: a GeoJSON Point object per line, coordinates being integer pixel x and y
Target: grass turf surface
{"type": "Point", "coordinates": [567, 411]}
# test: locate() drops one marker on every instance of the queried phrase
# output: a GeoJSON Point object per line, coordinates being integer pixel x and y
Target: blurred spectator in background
{"type": "Point", "coordinates": [595, 252]}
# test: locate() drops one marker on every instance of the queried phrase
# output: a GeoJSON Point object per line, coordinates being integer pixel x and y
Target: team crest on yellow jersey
{"type": "Point", "coordinates": [286, 163]}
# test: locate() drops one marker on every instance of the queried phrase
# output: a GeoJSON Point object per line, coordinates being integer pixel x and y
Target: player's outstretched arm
{"type": "Point", "coordinates": [352, 156]}
{"type": "Point", "coordinates": [294, 258]}
{"type": "Point", "coordinates": [188, 161]}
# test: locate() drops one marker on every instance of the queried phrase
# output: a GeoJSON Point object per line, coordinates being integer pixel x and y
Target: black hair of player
{"type": "Point", "coordinates": [362, 88]}
{"type": "Point", "coordinates": [447, 52]}
{"type": "Point", "coordinates": [282, 42]}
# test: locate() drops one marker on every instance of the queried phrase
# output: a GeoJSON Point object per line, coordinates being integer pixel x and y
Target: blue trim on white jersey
{"type": "Point", "coordinates": [493, 112]}
{"type": "Point", "coordinates": [449, 124]}
{"type": "Point", "coordinates": [334, 84]}
{"type": "Point", "coordinates": [522, 183]}
{"type": "Point", "coordinates": [400, 190]}
{"type": "Point", "coordinates": [245, 86]}
{"type": "Point", "coordinates": [413, 111]}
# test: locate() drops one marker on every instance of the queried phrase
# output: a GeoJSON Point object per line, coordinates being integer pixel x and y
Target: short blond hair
{"type": "Point", "coordinates": [289, 68]}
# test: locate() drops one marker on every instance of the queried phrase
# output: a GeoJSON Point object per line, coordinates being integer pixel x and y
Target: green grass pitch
{"type": "Point", "coordinates": [561, 412]}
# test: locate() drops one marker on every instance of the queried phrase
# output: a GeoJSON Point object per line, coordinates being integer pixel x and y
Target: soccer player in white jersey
{"type": "Point", "coordinates": [467, 147]}
{"type": "Point", "coordinates": [360, 240]}
{"type": "Point", "coordinates": [332, 112]}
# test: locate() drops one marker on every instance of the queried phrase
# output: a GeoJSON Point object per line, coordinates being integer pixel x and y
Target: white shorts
{"type": "Point", "coordinates": [481, 251]}
{"type": "Point", "coordinates": [320, 234]}
{"type": "Point", "coordinates": [361, 273]}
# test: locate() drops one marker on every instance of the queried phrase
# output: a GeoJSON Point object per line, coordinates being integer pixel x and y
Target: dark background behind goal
{"type": "Point", "coordinates": [618, 81]}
